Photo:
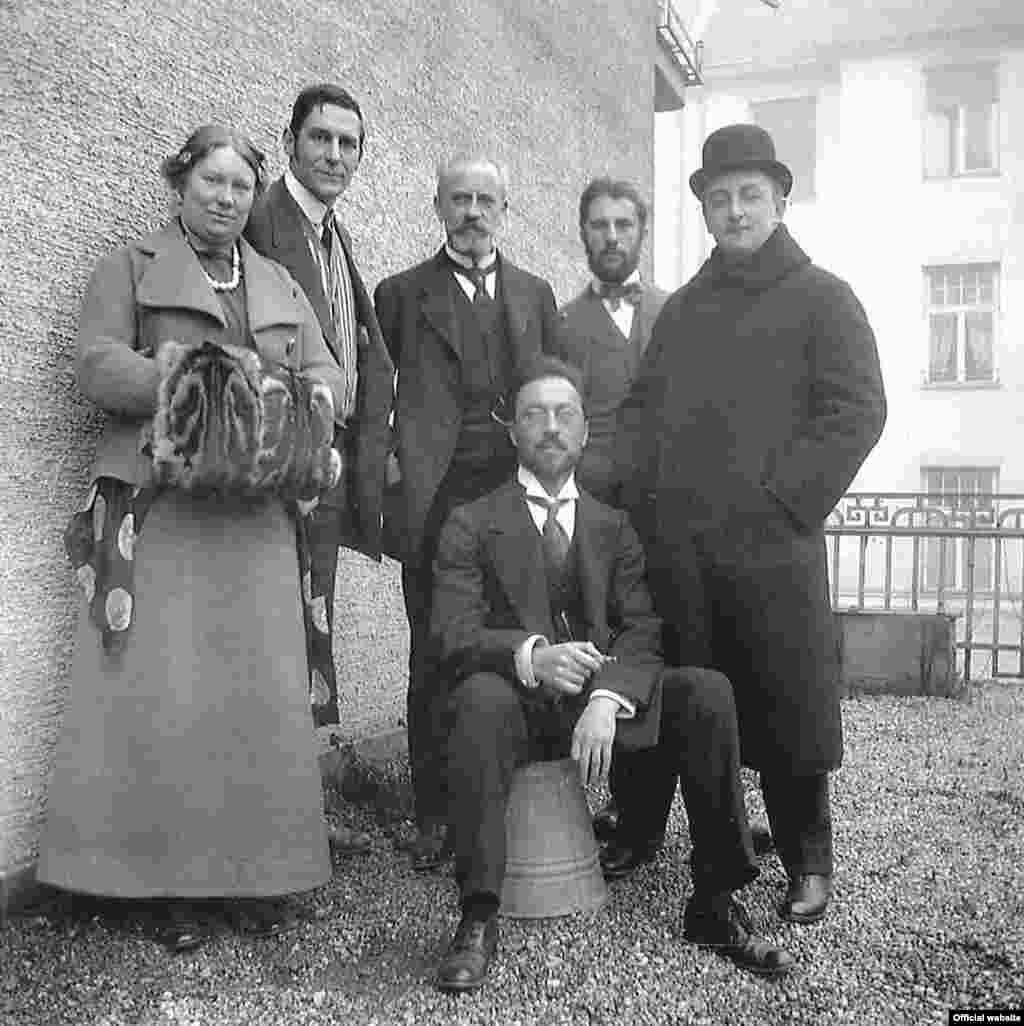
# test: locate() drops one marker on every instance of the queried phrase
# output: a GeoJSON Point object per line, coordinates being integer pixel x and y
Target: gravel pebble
{"type": "Point", "coordinates": [927, 916]}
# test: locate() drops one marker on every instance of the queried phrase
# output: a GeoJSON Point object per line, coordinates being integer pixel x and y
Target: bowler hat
{"type": "Point", "coordinates": [739, 148]}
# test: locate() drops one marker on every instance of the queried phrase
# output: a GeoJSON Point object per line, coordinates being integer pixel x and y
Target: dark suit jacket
{"type": "Point", "coordinates": [275, 230]}
{"type": "Point", "coordinates": [609, 363]}
{"type": "Point", "coordinates": [490, 595]}
{"type": "Point", "coordinates": [421, 331]}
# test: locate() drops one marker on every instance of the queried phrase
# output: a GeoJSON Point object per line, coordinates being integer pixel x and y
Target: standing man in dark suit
{"type": "Point", "coordinates": [605, 330]}
{"type": "Point", "coordinates": [295, 223]}
{"type": "Point", "coordinates": [551, 648]}
{"type": "Point", "coordinates": [759, 397]}
{"type": "Point", "coordinates": [459, 327]}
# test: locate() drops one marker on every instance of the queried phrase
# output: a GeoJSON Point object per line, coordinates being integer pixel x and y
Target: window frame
{"type": "Point", "coordinates": [961, 311]}
{"type": "Point", "coordinates": [954, 120]}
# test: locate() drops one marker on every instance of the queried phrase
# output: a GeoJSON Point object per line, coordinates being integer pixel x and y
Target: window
{"type": "Point", "coordinates": [961, 307]}
{"type": "Point", "coordinates": [961, 123]}
{"type": "Point", "coordinates": [965, 498]}
{"type": "Point", "coordinates": [792, 124]}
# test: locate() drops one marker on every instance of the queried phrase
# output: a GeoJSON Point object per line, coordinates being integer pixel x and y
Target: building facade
{"type": "Point", "coordinates": [903, 123]}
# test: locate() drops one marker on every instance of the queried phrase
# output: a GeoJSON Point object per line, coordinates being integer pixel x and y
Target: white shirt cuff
{"type": "Point", "coordinates": [524, 661]}
{"type": "Point", "coordinates": [626, 710]}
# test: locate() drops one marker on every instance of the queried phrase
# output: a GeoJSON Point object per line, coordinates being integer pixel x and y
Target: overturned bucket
{"type": "Point", "coordinates": [551, 866]}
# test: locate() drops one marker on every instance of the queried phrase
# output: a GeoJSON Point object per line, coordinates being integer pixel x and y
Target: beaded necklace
{"type": "Point", "coordinates": [236, 274]}
{"type": "Point", "coordinates": [236, 265]}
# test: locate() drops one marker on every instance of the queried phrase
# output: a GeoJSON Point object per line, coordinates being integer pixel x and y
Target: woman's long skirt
{"type": "Point", "coordinates": [186, 765]}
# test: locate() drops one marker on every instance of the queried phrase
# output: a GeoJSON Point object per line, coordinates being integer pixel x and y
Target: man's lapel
{"type": "Point", "coordinates": [518, 299]}
{"type": "Point", "coordinates": [436, 302]}
{"type": "Point", "coordinates": [599, 323]}
{"type": "Point", "coordinates": [643, 320]}
{"type": "Point", "coordinates": [292, 248]}
{"type": "Point", "coordinates": [519, 560]}
{"type": "Point", "coordinates": [364, 307]}
{"type": "Point", "coordinates": [593, 545]}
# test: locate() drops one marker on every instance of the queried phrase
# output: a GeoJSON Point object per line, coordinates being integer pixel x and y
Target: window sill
{"type": "Point", "coordinates": [969, 176]}
{"type": "Point", "coordinates": [961, 386]}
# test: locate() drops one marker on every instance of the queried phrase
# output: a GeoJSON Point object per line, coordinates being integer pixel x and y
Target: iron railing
{"type": "Point", "coordinates": [929, 552]}
{"type": "Point", "coordinates": [687, 54]}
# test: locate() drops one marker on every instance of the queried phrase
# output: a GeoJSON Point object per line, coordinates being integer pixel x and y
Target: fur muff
{"type": "Point", "coordinates": [225, 424]}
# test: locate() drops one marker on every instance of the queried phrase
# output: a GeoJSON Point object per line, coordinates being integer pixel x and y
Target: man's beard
{"type": "Point", "coordinates": [619, 273]}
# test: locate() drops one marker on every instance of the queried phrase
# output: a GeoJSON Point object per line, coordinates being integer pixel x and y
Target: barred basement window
{"type": "Point", "coordinates": [961, 302]}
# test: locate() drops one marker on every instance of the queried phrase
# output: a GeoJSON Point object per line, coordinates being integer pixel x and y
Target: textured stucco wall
{"type": "Point", "coordinates": [95, 92]}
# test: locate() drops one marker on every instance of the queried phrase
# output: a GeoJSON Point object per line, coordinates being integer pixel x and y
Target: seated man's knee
{"type": "Point", "coordinates": [483, 698]}
{"type": "Point", "coordinates": [699, 690]}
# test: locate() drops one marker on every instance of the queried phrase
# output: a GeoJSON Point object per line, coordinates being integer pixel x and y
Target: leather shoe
{"type": "Point", "coordinates": [606, 822]}
{"type": "Point", "coordinates": [346, 841]}
{"type": "Point", "coordinates": [469, 955]}
{"type": "Point", "coordinates": [722, 925]}
{"type": "Point", "coordinates": [430, 850]}
{"type": "Point", "coordinates": [807, 898]}
{"type": "Point", "coordinates": [177, 927]}
{"type": "Point", "coordinates": [257, 917]}
{"type": "Point", "coordinates": [761, 837]}
{"type": "Point", "coordinates": [619, 859]}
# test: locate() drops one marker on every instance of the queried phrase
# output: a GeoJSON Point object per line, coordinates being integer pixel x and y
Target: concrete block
{"type": "Point", "coordinates": [898, 652]}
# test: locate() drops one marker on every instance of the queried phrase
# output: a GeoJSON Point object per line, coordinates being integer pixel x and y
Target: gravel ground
{"type": "Point", "coordinates": [929, 810]}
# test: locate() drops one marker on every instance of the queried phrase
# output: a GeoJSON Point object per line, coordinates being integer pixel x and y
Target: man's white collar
{"type": "Point", "coordinates": [529, 481]}
{"type": "Point", "coordinates": [313, 208]}
{"type": "Point", "coordinates": [465, 261]}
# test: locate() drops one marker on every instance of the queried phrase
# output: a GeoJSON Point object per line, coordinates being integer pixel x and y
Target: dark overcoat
{"type": "Point", "coordinates": [759, 397]}
{"type": "Point", "coordinates": [421, 330]}
{"type": "Point", "coordinates": [275, 229]}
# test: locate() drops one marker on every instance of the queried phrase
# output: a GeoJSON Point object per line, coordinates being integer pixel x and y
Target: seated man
{"type": "Point", "coordinates": [552, 648]}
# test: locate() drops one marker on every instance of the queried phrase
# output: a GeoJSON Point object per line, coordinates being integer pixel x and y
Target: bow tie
{"type": "Point", "coordinates": [616, 292]}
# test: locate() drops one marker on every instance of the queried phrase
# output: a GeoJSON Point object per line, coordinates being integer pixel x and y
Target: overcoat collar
{"type": "Point", "coordinates": [173, 278]}
{"type": "Point", "coordinates": [519, 561]}
{"type": "Point", "coordinates": [439, 310]}
{"type": "Point", "coordinates": [779, 256]}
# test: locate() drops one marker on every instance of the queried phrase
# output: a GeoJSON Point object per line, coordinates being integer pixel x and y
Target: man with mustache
{"type": "Point", "coordinates": [295, 223]}
{"type": "Point", "coordinates": [458, 327]}
{"type": "Point", "coordinates": [551, 649]}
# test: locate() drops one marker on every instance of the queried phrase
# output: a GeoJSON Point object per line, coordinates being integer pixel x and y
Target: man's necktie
{"type": "Point", "coordinates": [478, 276]}
{"type": "Point", "coordinates": [617, 293]}
{"type": "Point", "coordinates": [327, 234]}
{"type": "Point", "coordinates": [554, 538]}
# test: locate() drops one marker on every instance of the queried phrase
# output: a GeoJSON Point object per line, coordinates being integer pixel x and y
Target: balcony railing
{"type": "Point", "coordinates": [930, 552]}
{"type": "Point", "coordinates": [673, 34]}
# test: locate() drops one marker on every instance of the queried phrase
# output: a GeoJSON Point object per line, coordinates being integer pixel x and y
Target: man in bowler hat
{"type": "Point", "coordinates": [759, 397]}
